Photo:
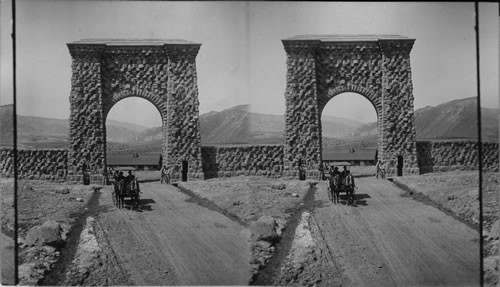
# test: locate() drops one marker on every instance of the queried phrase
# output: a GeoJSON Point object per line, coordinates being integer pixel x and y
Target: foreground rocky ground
{"type": "Point", "coordinates": [47, 212]}
{"type": "Point", "coordinates": [241, 231]}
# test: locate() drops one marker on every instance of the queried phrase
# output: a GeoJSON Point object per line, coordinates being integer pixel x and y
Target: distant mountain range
{"type": "Point", "coordinates": [237, 125]}
{"type": "Point", "coordinates": [53, 133]}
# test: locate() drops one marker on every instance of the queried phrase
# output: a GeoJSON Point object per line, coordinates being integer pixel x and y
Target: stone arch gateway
{"type": "Point", "coordinates": [374, 66]}
{"type": "Point", "coordinates": [160, 71]}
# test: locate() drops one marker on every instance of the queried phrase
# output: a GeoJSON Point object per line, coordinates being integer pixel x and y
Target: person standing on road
{"type": "Point", "coordinates": [382, 170]}
{"type": "Point", "coordinates": [104, 177]}
{"type": "Point", "coordinates": [163, 174]}
{"type": "Point", "coordinates": [378, 169]}
{"type": "Point", "coordinates": [167, 176]}
{"type": "Point", "coordinates": [86, 173]}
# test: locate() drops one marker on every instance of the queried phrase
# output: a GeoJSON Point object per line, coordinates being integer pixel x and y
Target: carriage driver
{"type": "Point", "coordinates": [344, 175]}
{"type": "Point", "coordinates": [130, 176]}
{"type": "Point", "coordinates": [345, 172]}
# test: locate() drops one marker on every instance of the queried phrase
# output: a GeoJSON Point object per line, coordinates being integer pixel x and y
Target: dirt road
{"type": "Point", "coordinates": [7, 253]}
{"type": "Point", "coordinates": [174, 242]}
{"type": "Point", "coordinates": [390, 240]}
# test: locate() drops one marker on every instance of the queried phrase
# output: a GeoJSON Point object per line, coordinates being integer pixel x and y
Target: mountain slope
{"type": "Point", "coordinates": [451, 120]}
{"type": "Point", "coordinates": [456, 119]}
{"type": "Point", "coordinates": [236, 125]}
{"type": "Point", "coordinates": [228, 126]}
{"type": "Point", "coordinates": [6, 125]}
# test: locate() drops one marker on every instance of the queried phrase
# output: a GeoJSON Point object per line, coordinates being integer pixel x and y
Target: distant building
{"type": "Point", "coordinates": [141, 161]}
{"type": "Point", "coordinates": [353, 156]}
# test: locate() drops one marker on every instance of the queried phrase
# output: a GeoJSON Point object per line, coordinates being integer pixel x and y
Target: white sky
{"type": "Point", "coordinates": [242, 60]}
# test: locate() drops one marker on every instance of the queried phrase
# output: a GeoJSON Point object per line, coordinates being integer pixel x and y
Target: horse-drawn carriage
{"type": "Point", "coordinates": [126, 186]}
{"type": "Point", "coordinates": [341, 182]}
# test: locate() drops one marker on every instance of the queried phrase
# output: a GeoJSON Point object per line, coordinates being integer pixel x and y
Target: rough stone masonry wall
{"type": "Point", "coordinates": [184, 138]}
{"type": "Point", "coordinates": [379, 70]}
{"type": "Point", "coordinates": [440, 156]}
{"type": "Point", "coordinates": [349, 67]}
{"type": "Point", "coordinates": [86, 122]}
{"type": "Point", "coordinates": [302, 117]}
{"type": "Point", "coordinates": [228, 161]}
{"type": "Point", "coordinates": [47, 164]}
{"type": "Point", "coordinates": [165, 75]}
{"type": "Point", "coordinates": [398, 121]}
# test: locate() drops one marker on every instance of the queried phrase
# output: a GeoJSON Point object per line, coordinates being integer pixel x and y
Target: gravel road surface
{"type": "Point", "coordinates": [391, 240]}
{"type": "Point", "coordinates": [174, 242]}
{"type": "Point", "coordinates": [7, 252]}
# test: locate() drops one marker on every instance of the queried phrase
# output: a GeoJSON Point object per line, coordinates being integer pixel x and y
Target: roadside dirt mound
{"type": "Point", "coordinates": [491, 216]}
{"type": "Point", "coordinates": [309, 262]}
{"type": "Point", "coordinates": [39, 203]}
{"type": "Point", "coordinates": [42, 201]}
{"type": "Point", "coordinates": [454, 191]}
{"type": "Point", "coordinates": [94, 263]}
{"type": "Point", "coordinates": [250, 198]}
{"type": "Point", "coordinates": [7, 201]}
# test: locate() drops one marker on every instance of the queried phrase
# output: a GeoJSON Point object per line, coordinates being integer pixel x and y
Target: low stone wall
{"type": "Point", "coordinates": [228, 161]}
{"type": "Point", "coordinates": [440, 156]}
{"type": "Point", "coordinates": [260, 160]}
{"type": "Point", "coordinates": [45, 164]}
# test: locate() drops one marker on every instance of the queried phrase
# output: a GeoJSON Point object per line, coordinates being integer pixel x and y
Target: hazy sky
{"type": "Point", "coordinates": [242, 60]}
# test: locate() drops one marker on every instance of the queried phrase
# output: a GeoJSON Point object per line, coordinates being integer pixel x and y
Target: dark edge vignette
{"type": "Point", "coordinates": [14, 121]}
{"type": "Point", "coordinates": [479, 148]}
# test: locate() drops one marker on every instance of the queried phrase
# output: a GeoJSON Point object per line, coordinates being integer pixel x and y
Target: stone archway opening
{"type": "Point", "coordinates": [349, 131]}
{"type": "Point", "coordinates": [134, 134]}
{"type": "Point", "coordinates": [105, 71]}
{"type": "Point", "coordinates": [320, 67]}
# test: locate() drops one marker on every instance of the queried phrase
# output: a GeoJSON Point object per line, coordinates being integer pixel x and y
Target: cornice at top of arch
{"type": "Point", "coordinates": [99, 49]}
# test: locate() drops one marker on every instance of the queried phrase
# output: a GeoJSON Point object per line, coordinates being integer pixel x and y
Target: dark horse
{"type": "Point", "coordinates": [134, 192]}
{"type": "Point", "coordinates": [124, 188]}
{"type": "Point", "coordinates": [334, 188]}
{"type": "Point", "coordinates": [349, 188]}
{"type": "Point", "coordinates": [338, 185]}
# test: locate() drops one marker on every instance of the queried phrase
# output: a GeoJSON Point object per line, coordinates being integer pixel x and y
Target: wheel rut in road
{"type": "Point", "coordinates": [58, 274]}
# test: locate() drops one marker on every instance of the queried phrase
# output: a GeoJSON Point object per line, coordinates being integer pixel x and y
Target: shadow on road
{"type": "Point", "coordinates": [144, 204]}
{"type": "Point", "coordinates": [359, 199]}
